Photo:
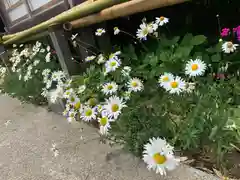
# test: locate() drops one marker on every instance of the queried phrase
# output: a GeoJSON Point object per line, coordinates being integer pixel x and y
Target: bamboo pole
{"type": "Point", "coordinates": [74, 13]}
{"type": "Point", "coordinates": [123, 9]}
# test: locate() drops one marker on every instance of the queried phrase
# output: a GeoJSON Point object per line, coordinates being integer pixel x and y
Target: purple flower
{"type": "Point", "coordinates": [225, 32]}
{"type": "Point", "coordinates": [237, 31]}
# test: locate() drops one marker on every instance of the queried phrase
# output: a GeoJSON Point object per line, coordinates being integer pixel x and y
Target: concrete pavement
{"type": "Point", "coordinates": [27, 133]}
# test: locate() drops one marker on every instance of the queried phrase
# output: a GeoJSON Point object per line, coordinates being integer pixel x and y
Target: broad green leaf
{"type": "Point", "coordinates": [186, 39]}
{"type": "Point", "coordinates": [153, 61]}
{"type": "Point", "coordinates": [216, 57]}
{"type": "Point", "coordinates": [184, 51]}
{"type": "Point", "coordinates": [164, 56]}
{"type": "Point", "coordinates": [169, 42]}
{"type": "Point", "coordinates": [197, 40]}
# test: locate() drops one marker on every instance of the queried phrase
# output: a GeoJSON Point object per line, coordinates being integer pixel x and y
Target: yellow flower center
{"type": "Point", "coordinates": [162, 18]}
{"type": "Point", "coordinates": [115, 108]}
{"type": "Point", "coordinates": [145, 31]}
{"type": "Point", "coordinates": [174, 84]}
{"type": "Point", "coordinates": [113, 63]}
{"type": "Point", "coordinates": [77, 105]}
{"type": "Point", "coordinates": [159, 159]}
{"type": "Point", "coordinates": [194, 67]}
{"type": "Point", "coordinates": [110, 87]}
{"type": "Point", "coordinates": [165, 79]}
{"type": "Point", "coordinates": [134, 84]}
{"type": "Point", "coordinates": [100, 30]}
{"type": "Point", "coordinates": [67, 93]}
{"type": "Point", "coordinates": [229, 44]}
{"type": "Point", "coordinates": [88, 112]}
{"type": "Point", "coordinates": [103, 121]}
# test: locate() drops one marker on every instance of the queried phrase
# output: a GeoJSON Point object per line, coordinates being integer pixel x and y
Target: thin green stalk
{"type": "Point", "coordinates": [144, 47]}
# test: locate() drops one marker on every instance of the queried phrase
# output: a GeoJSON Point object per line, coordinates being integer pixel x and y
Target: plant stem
{"type": "Point", "coordinates": [88, 45]}
{"type": "Point", "coordinates": [86, 49]}
{"type": "Point", "coordinates": [237, 148]}
{"type": "Point", "coordinates": [144, 47]}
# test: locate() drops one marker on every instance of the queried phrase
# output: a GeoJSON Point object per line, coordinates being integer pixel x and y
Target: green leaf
{"type": "Point", "coordinates": [184, 51]}
{"type": "Point", "coordinates": [153, 61]}
{"type": "Point", "coordinates": [213, 132]}
{"type": "Point", "coordinates": [216, 57]}
{"type": "Point", "coordinates": [164, 56]}
{"type": "Point", "coordinates": [186, 39]}
{"type": "Point", "coordinates": [169, 42]}
{"type": "Point", "coordinates": [197, 40]}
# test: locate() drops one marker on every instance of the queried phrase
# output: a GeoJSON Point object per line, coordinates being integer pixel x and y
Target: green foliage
{"type": "Point", "coordinates": [207, 118]}
{"type": "Point", "coordinates": [189, 121]}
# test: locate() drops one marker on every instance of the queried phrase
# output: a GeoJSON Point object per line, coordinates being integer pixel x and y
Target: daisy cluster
{"type": "Point", "coordinates": [151, 28]}
{"type": "Point", "coordinates": [176, 85]}
{"type": "Point", "coordinates": [115, 94]}
{"type": "Point", "coordinates": [26, 59]}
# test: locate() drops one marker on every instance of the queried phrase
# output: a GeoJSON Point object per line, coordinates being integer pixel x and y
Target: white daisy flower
{"type": "Point", "coordinates": [116, 30]}
{"type": "Point", "coordinates": [101, 59]}
{"type": "Point", "coordinates": [57, 75]}
{"type": "Point", "coordinates": [177, 85]}
{"type": "Point", "coordinates": [152, 27]}
{"type": "Point", "coordinates": [81, 89]}
{"type": "Point", "coordinates": [143, 31]}
{"type": "Point", "coordinates": [104, 125]}
{"type": "Point", "coordinates": [71, 115]}
{"type": "Point", "coordinates": [48, 48]}
{"type": "Point", "coordinates": [112, 64]}
{"type": "Point", "coordinates": [162, 20]}
{"type": "Point", "coordinates": [195, 68]}
{"type": "Point", "coordinates": [229, 47]}
{"type": "Point", "coordinates": [48, 83]}
{"type": "Point", "coordinates": [113, 106]}
{"type": "Point", "coordinates": [88, 114]}
{"type": "Point", "coordinates": [36, 62]}
{"type": "Point", "coordinates": [165, 79]}
{"type": "Point", "coordinates": [44, 92]}
{"type": "Point", "coordinates": [189, 87]}
{"type": "Point", "coordinates": [114, 55]}
{"type": "Point", "coordinates": [126, 71]}
{"type": "Point", "coordinates": [135, 85]}
{"type": "Point", "coordinates": [73, 100]}
{"type": "Point", "coordinates": [90, 58]}
{"type": "Point", "coordinates": [46, 72]}
{"type": "Point", "coordinates": [109, 88]}
{"type": "Point", "coordinates": [158, 155]}
{"type": "Point", "coordinates": [48, 57]}
{"type": "Point", "coordinates": [100, 31]}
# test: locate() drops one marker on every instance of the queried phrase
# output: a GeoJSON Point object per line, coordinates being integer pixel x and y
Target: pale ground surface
{"type": "Point", "coordinates": [25, 154]}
